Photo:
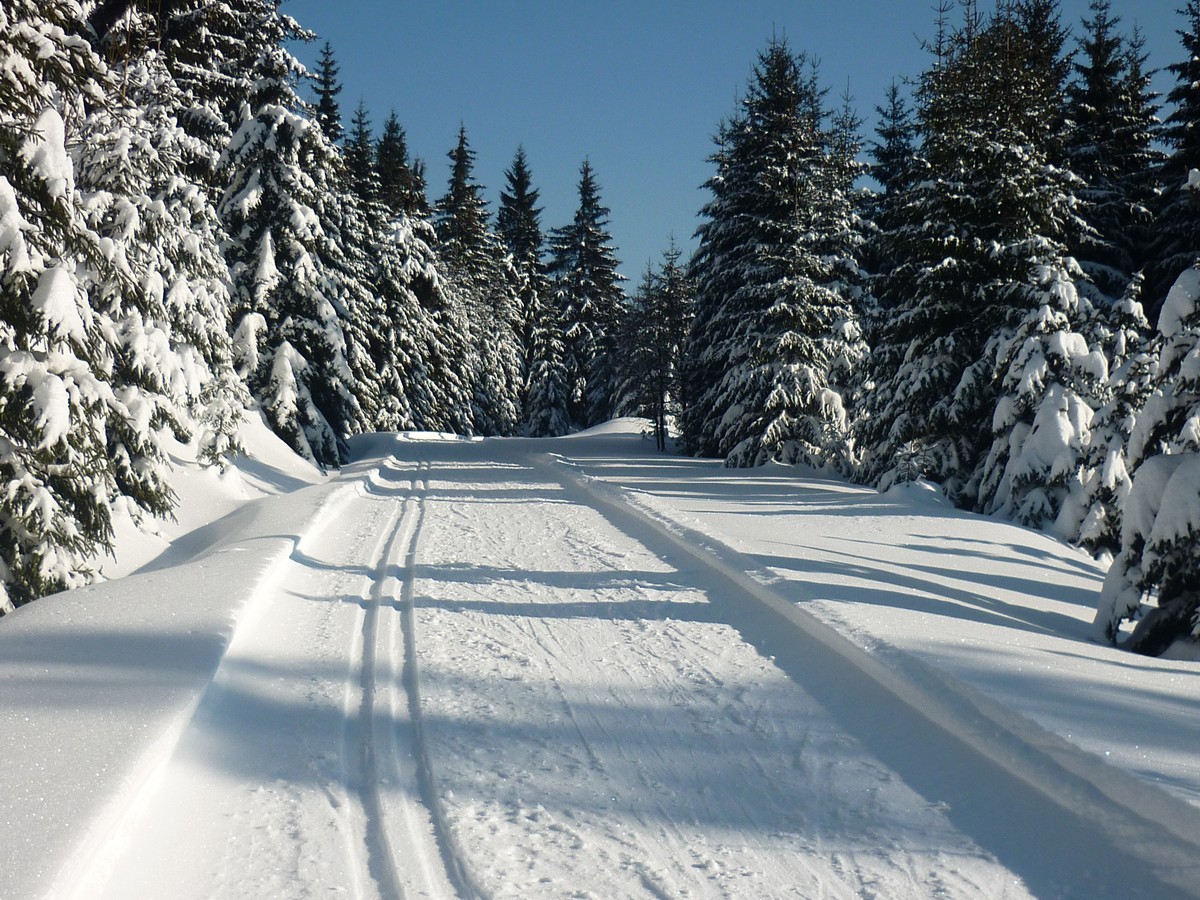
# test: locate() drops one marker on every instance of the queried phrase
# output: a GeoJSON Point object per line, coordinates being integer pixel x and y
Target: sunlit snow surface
{"type": "Point", "coordinates": [512, 668]}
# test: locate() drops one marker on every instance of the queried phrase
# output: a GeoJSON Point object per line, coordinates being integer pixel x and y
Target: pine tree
{"type": "Point", "coordinates": [654, 333]}
{"type": "Point", "coordinates": [1110, 148]}
{"type": "Point", "coordinates": [326, 86]}
{"type": "Point", "coordinates": [401, 179]}
{"type": "Point", "coordinates": [589, 299]}
{"type": "Point", "coordinates": [486, 285]}
{"type": "Point", "coordinates": [772, 329]}
{"type": "Point", "coordinates": [55, 479]}
{"type": "Point", "coordinates": [1175, 236]}
{"type": "Point", "coordinates": [288, 339]}
{"type": "Point", "coordinates": [979, 245]}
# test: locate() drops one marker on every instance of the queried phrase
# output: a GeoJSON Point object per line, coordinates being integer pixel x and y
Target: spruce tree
{"type": "Point", "coordinates": [518, 224]}
{"type": "Point", "coordinates": [978, 245]}
{"type": "Point", "coordinates": [55, 479]}
{"type": "Point", "coordinates": [587, 294]}
{"type": "Point", "coordinates": [326, 86]}
{"type": "Point", "coordinates": [1174, 242]}
{"type": "Point", "coordinates": [1132, 353]}
{"type": "Point", "coordinates": [163, 299]}
{"type": "Point", "coordinates": [654, 333]}
{"type": "Point", "coordinates": [484, 280]}
{"type": "Point", "coordinates": [894, 151]}
{"type": "Point", "coordinates": [1160, 535]}
{"type": "Point", "coordinates": [772, 326]}
{"type": "Point", "coordinates": [288, 339]}
{"type": "Point", "coordinates": [359, 156]}
{"type": "Point", "coordinates": [210, 47]}
{"type": "Point", "coordinates": [401, 179]}
{"type": "Point", "coordinates": [1110, 148]}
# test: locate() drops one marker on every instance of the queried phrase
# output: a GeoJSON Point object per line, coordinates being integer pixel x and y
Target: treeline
{"type": "Point", "coordinates": [183, 238]}
{"type": "Point", "coordinates": [983, 320]}
{"type": "Point", "coordinates": [1011, 313]}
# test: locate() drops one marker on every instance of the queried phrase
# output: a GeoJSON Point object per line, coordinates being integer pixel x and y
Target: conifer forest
{"type": "Point", "coordinates": [996, 289]}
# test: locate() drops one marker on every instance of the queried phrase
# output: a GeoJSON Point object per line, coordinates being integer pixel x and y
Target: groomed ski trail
{"type": "Point", "coordinates": [602, 728]}
{"type": "Point", "coordinates": [299, 774]}
{"type": "Point", "coordinates": [479, 673]}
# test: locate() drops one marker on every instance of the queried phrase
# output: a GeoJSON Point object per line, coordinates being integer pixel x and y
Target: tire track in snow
{"type": "Point", "coordinates": [1106, 830]}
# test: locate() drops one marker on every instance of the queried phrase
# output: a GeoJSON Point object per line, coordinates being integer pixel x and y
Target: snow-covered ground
{"type": "Point", "coordinates": [577, 668]}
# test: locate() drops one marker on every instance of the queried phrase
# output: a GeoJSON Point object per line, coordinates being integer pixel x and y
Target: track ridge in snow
{"type": "Point", "coordinates": [90, 868]}
{"type": "Point", "coordinates": [1119, 822]}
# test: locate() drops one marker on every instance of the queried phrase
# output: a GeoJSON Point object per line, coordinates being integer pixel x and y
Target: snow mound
{"type": "Point", "coordinates": [918, 493]}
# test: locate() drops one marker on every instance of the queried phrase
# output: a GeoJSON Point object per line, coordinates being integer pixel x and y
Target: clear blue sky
{"type": "Point", "coordinates": [637, 86]}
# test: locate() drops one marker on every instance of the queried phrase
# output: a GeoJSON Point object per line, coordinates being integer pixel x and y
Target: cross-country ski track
{"type": "Point", "coordinates": [468, 668]}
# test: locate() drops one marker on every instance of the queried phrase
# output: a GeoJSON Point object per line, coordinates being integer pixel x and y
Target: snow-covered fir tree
{"type": "Point", "coordinates": [1174, 242]}
{"type": "Point", "coordinates": [56, 482]}
{"type": "Point", "coordinates": [1170, 420]}
{"type": "Point", "coordinates": [1110, 146]}
{"type": "Point", "coordinates": [587, 293]}
{"type": "Point", "coordinates": [210, 47]}
{"type": "Point", "coordinates": [1131, 349]}
{"type": "Point", "coordinates": [979, 245]}
{"type": "Point", "coordinates": [1159, 559]}
{"type": "Point", "coordinates": [1159, 552]}
{"type": "Point", "coordinates": [1050, 383]}
{"type": "Point", "coordinates": [656, 327]}
{"type": "Point", "coordinates": [518, 224]}
{"type": "Point", "coordinates": [288, 339]}
{"type": "Point", "coordinates": [165, 293]}
{"type": "Point", "coordinates": [773, 333]}
{"type": "Point", "coordinates": [327, 87]}
{"type": "Point", "coordinates": [408, 373]}
{"type": "Point", "coordinates": [485, 283]}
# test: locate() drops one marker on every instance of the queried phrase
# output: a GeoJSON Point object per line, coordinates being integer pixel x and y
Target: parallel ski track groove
{"type": "Point", "coordinates": [452, 856]}
{"type": "Point", "coordinates": [381, 859]}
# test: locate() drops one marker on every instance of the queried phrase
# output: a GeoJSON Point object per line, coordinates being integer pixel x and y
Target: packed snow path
{"type": "Point", "coordinates": [473, 673]}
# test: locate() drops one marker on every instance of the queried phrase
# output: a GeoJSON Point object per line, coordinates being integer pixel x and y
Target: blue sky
{"type": "Point", "coordinates": [637, 86]}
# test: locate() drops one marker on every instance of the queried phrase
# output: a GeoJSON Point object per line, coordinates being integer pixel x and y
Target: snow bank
{"type": "Point", "coordinates": [96, 684]}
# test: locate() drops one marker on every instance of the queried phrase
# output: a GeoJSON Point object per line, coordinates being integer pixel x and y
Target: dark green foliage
{"type": "Point", "coordinates": [590, 302]}
{"type": "Point", "coordinates": [326, 86]}
{"type": "Point", "coordinates": [401, 179]}
{"type": "Point", "coordinates": [359, 156]}
{"type": "Point", "coordinates": [1175, 236]}
{"type": "Point", "coordinates": [970, 243]}
{"type": "Point", "coordinates": [654, 332]}
{"type": "Point", "coordinates": [775, 273]}
{"type": "Point", "coordinates": [1110, 147]}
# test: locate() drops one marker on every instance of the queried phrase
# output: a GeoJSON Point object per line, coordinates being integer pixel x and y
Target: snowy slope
{"type": "Point", "coordinates": [578, 668]}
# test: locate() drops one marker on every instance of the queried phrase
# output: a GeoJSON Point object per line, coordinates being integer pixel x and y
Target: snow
{"type": "Point", "coordinates": [1180, 303]}
{"type": "Point", "coordinates": [45, 152]}
{"type": "Point", "coordinates": [58, 298]}
{"type": "Point", "coordinates": [576, 667]}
